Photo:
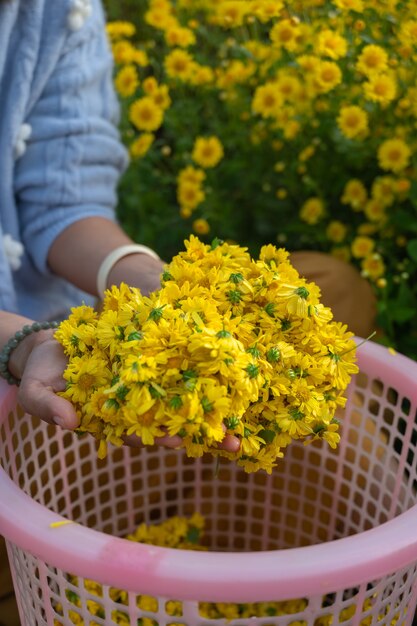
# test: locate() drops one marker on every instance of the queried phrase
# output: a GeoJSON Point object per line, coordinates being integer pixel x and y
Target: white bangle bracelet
{"type": "Point", "coordinates": [115, 255]}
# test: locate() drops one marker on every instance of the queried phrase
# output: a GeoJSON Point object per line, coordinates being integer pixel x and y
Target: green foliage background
{"type": "Point", "coordinates": [165, 230]}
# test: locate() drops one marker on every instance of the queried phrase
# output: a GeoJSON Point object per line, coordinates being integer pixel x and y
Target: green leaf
{"type": "Point", "coordinates": [412, 249]}
{"type": "Point", "coordinates": [267, 435]}
{"type": "Point", "coordinates": [193, 535]}
{"type": "Point", "coordinates": [402, 314]}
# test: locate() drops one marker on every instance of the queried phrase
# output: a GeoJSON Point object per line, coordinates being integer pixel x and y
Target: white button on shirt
{"type": "Point", "coordinates": [14, 251]}
{"type": "Point", "coordinates": [80, 11]}
{"type": "Point", "coordinates": [23, 135]}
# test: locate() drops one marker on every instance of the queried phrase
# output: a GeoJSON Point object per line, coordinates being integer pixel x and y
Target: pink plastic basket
{"type": "Point", "coordinates": [336, 528]}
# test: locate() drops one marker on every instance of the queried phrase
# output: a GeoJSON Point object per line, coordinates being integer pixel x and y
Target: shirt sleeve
{"type": "Point", "coordinates": [74, 157]}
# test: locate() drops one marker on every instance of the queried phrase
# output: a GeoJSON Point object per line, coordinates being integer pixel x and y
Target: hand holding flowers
{"type": "Point", "coordinates": [227, 343]}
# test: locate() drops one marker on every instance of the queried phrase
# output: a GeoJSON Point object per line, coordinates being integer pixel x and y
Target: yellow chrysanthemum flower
{"type": "Point", "coordinates": [179, 64]}
{"type": "Point", "coordinates": [226, 343]}
{"type": "Point", "coordinates": [285, 33]}
{"type": "Point", "coordinates": [192, 175]}
{"type": "Point", "coordinates": [145, 114]}
{"type": "Point", "coordinates": [201, 226]}
{"type": "Point", "coordinates": [179, 37]}
{"type": "Point", "coordinates": [381, 88]}
{"type": "Point", "coordinates": [355, 194]}
{"type": "Point", "coordinates": [362, 246]}
{"type": "Point", "coordinates": [336, 231]}
{"type": "Point", "coordinates": [267, 100]}
{"type": "Point", "coordinates": [350, 5]}
{"type": "Point", "coordinates": [120, 29]}
{"type": "Point", "coordinates": [353, 122]}
{"type": "Point", "coordinates": [373, 266]}
{"type": "Point", "coordinates": [141, 145]}
{"type": "Point", "coordinates": [394, 155]}
{"type": "Point", "coordinates": [230, 13]}
{"type": "Point", "coordinates": [312, 210]}
{"type": "Point", "coordinates": [331, 44]}
{"type": "Point", "coordinates": [373, 59]}
{"type": "Point", "coordinates": [207, 151]}
{"type": "Point", "coordinates": [190, 195]}
{"type": "Point", "coordinates": [375, 210]}
{"type": "Point", "coordinates": [127, 80]}
{"type": "Point", "coordinates": [327, 76]}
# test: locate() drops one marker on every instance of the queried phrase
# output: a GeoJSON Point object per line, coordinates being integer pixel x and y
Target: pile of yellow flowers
{"type": "Point", "coordinates": [187, 533]}
{"type": "Point", "coordinates": [271, 121]}
{"type": "Point", "coordinates": [228, 344]}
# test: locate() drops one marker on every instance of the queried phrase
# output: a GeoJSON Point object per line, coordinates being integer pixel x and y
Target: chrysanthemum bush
{"type": "Point", "coordinates": [263, 121]}
{"type": "Point", "coordinates": [228, 344]}
{"type": "Point", "coordinates": [188, 534]}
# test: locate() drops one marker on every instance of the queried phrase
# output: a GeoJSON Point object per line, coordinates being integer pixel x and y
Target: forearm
{"type": "Point", "coordinates": [76, 254]}
{"type": "Point", "coordinates": [79, 250]}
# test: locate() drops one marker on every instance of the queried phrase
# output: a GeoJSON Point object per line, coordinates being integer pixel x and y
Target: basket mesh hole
{"type": "Point", "coordinates": [362, 380]}
{"type": "Point", "coordinates": [392, 396]}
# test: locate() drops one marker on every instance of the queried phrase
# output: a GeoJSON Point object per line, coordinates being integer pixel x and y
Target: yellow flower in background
{"type": "Point", "coordinates": [312, 210]}
{"type": "Point", "coordinates": [179, 64]}
{"type": "Point", "coordinates": [362, 246]}
{"type": "Point", "coordinates": [127, 81]}
{"type": "Point", "coordinates": [141, 145]}
{"type": "Point", "coordinates": [285, 34]}
{"type": "Point", "coordinates": [353, 122]}
{"type": "Point", "coordinates": [160, 95]}
{"type": "Point", "coordinates": [150, 85]}
{"type": "Point", "coordinates": [384, 189]}
{"type": "Point", "coordinates": [145, 114]}
{"type": "Point", "coordinates": [139, 57]}
{"type": "Point", "coordinates": [120, 29]}
{"type": "Point", "coordinates": [331, 82]}
{"type": "Point", "coordinates": [375, 210]}
{"type": "Point", "coordinates": [202, 75]}
{"type": "Point", "coordinates": [191, 175]}
{"type": "Point", "coordinates": [381, 88]}
{"type": "Point", "coordinates": [267, 100]}
{"type": "Point", "coordinates": [336, 231]}
{"type": "Point", "coordinates": [372, 59]}
{"type": "Point", "coordinates": [355, 194]}
{"type": "Point", "coordinates": [331, 44]}
{"type": "Point", "coordinates": [190, 195]}
{"type": "Point", "coordinates": [373, 266]}
{"type": "Point", "coordinates": [394, 155]}
{"type": "Point", "coordinates": [327, 76]}
{"type": "Point", "coordinates": [230, 13]}
{"type": "Point", "coordinates": [160, 17]}
{"type": "Point", "coordinates": [350, 5]}
{"type": "Point", "coordinates": [207, 151]}
{"type": "Point", "coordinates": [178, 36]}
{"type": "Point", "coordinates": [123, 52]}
{"type": "Point", "coordinates": [266, 10]}
{"type": "Point", "coordinates": [201, 227]}
{"type": "Point", "coordinates": [408, 32]}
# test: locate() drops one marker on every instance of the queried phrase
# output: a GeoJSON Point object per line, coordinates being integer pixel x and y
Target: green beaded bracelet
{"type": "Point", "coordinates": [14, 342]}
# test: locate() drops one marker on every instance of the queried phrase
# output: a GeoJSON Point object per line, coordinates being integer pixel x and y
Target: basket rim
{"type": "Point", "coordinates": [215, 576]}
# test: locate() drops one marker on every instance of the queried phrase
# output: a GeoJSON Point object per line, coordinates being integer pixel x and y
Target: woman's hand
{"type": "Point", "coordinates": [229, 443]}
{"type": "Point", "coordinates": [39, 361]}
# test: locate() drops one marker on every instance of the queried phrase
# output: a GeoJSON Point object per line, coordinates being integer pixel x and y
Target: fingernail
{"type": "Point", "coordinates": [59, 421]}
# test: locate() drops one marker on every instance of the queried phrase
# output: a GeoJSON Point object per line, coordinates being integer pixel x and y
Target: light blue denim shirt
{"type": "Point", "coordinates": [60, 153]}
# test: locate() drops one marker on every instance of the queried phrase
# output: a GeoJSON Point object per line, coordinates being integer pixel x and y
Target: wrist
{"type": "Point", "coordinates": [20, 354]}
{"type": "Point", "coordinates": [111, 271]}
{"type": "Point", "coordinates": [16, 351]}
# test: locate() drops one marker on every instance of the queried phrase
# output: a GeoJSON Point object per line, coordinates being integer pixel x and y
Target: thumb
{"type": "Point", "coordinates": [40, 400]}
